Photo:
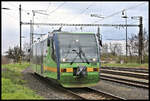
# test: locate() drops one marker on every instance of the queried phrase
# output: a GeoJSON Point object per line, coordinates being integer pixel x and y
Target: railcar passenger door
{"type": "Point", "coordinates": [42, 54]}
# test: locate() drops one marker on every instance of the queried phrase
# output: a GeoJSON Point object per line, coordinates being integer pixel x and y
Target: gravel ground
{"type": "Point", "coordinates": [43, 89]}
{"type": "Point", "coordinates": [123, 91]}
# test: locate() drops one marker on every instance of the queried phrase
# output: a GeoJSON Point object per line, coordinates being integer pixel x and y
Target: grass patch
{"type": "Point", "coordinates": [133, 65]}
{"type": "Point", "coordinates": [16, 66]}
{"type": "Point", "coordinates": [13, 87]}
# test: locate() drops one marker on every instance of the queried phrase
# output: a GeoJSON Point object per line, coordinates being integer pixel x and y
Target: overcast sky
{"type": "Point", "coordinates": [70, 12]}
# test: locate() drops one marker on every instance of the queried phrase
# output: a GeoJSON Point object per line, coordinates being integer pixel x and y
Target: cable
{"type": "Point", "coordinates": [57, 7]}
{"type": "Point", "coordinates": [120, 11]}
{"type": "Point", "coordinates": [13, 5]}
{"type": "Point", "coordinates": [81, 12]}
{"type": "Point", "coordinates": [48, 7]}
{"type": "Point", "coordinates": [17, 8]}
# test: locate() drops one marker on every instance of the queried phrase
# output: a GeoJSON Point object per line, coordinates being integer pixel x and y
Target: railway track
{"type": "Point", "coordinates": [140, 70]}
{"type": "Point", "coordinates": [131, 76]}
{"type": "Point", "coordinates": [92, 94]}
{"type": "Point", "coordinates": [80, 93]}
{"type": "Point", "coordinates": [56, 86]}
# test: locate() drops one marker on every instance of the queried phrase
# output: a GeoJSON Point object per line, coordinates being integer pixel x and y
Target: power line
{"type": "Point", "coordinates": [64, 24]}
{"type": "Point", "coordinates": [57, 7]}
{"type": "Point", "coordinates": [16, 8]}
{"type": "Point", "coordinates": [120, 11]}
{"type": "Point", "coordinates": [13, 5]}
{"type": "Point", "coordinates": [54, 9]}
{"type": "Point", "coordinates": [81, 12]}
{"type": "Point", "coordinates": [48, 7]}
{"type": "Point", "coordinates": [133, 22]}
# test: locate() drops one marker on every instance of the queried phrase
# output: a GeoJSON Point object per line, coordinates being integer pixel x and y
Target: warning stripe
{"type": "Point", "coordinates": [69, 69]}
{"type": "Point", "coordinates": [89, 69]}
{"type": "Point", "coordinates": [52, 69]}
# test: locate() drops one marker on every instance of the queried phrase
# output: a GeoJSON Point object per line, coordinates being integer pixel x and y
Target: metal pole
{"type": "Point", "coordinates": [30, 33]}
{"type": "Point", "coordinates": [33, 25]}
{"type": "Point", "coordinates": [141, 40]}
{"type": "Point", "coordinates": [126, 38]}
{"type": "Point", "coordinates": [20, 31]}
{"type": "Point", "coordinates": [30, 39]}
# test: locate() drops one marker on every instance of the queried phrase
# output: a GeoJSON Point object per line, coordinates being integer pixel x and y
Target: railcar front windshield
{"type": "Point", "coordinates": [78, 48]}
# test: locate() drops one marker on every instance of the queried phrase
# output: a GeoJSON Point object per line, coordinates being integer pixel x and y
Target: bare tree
{"type": "Point", "coordinates": [26, 48]}
{"type": "Point", "coordinates": [115, 49]}
{"type": "Point", "coordinates": [133, 44]}
{"type": "Point", "coordinates": [14, 53]}
{"type": "Point", "coordinates": [145, 43]}
{"type": "Point", "coordinates": [104, 49]}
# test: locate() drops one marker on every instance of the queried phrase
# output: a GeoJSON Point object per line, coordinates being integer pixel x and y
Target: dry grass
{"type": "Point", "coordinates": [5, 60]}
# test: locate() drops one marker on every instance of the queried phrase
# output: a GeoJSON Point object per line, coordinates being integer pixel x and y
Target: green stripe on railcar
{"type": "Point", "coordinates": [49, 62]}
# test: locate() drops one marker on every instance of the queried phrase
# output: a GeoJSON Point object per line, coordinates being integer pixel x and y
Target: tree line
{"type": "Point", "coordinates": [116, 49]}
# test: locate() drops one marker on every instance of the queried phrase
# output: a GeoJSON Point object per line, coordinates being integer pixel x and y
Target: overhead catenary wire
{"type": "Point", "coordinates": [48, 7]}
{"type": "Point", "coordinates": [57, 8]}
{"type": "Point", "coordinates": [49, 13]}
{"type": "Point", "coordinates": [81, 12]}
{"type": "Point", "coordinates": [16, 8]}
{"type": "Point", "coordinates": [113, 14]}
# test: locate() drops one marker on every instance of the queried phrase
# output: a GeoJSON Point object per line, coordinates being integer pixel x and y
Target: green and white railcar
{"type": "Point", "coordinates": [72, 59]}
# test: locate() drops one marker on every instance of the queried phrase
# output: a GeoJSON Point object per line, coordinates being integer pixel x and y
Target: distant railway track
{"type": "Point", "coordinates": [130, 76]}
{"type": "Point", "coordinates": [80, 93]}
{"type": "Point", "coordinates": [140, 70]}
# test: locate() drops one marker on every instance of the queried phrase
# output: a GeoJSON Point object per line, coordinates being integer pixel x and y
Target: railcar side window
{"type": "Point", "coordinates": [48, 42]}
{"type": "Point", "coordinates": [53, 51]}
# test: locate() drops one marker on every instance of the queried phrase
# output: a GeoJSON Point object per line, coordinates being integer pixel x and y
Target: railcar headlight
{"type": "Point", "coordinates": [77, 40]}
{"type": "Point", "coordinates": [94, 59]}
{"type": "Point", "coordinates": [63, 59]}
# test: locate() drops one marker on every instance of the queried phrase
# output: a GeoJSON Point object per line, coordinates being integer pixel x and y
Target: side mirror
{"type": "Point", "coordinates": [48, 42]}
{"type": "Point", "coordinates": [28, 50]}
{"type": "Point", "coordinates": [100, 43]}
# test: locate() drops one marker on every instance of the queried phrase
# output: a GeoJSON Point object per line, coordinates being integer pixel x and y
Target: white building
{"type": "Point", "coordinates": [122, 44]}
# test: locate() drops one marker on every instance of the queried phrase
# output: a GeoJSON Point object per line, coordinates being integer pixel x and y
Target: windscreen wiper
{"type": "Point", "coordinates": [78, 54]}
{"type": "Point", "coordinates": [83, 54]}
{"type": "Point", "coordinates": [73, 60]}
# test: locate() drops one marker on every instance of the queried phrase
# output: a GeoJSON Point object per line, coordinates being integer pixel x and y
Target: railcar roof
{"type": "Point", "coordinates": [50, 35]}
{"type": "Point", "coordinates": [75, 32]}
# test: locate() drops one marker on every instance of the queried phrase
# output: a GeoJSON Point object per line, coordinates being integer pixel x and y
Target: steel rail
{"type": "Point", "coordinates": [125, 82]}
{"type": "Point", "coordinates": [54, 84]}
{"type": "Point", "coordinates": [104, 95]}
{"type": "Point", "coordinates": [126, 73]}
{"type": "Point", "coordinates": [124, 79]}
{"type": "Point", "coordinates": [126, 76]}
{"type": "Point", "coordinates": [93, 94]}
{"type": "Point", "coordinates": [140, 70]}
